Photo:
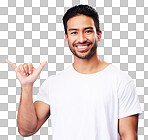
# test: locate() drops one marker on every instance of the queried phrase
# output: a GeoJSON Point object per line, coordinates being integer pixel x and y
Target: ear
{"type": "Point", "coordinates": [66, 38]}
{"type": "Point", "coordinates": [99, 35]}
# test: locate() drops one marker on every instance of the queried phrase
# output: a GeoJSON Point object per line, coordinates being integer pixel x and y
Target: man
{"type": "Point", "coordinates": [89, 100]}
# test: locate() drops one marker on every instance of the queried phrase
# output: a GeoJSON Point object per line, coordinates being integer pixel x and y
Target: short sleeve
{"type": "Point", "coordinates": [128, 100]}
{"type": "Point", "coordinates": [44, 93]}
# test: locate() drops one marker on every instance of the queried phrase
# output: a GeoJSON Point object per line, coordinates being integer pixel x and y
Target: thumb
{"type": "Point", "coordinates": [41, 66]}
{"type": "Point", "coordinates": [11, 64]}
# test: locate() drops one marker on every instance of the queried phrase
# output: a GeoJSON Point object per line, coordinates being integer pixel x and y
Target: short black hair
{"type": "Point", "coordinates": [81, 10]}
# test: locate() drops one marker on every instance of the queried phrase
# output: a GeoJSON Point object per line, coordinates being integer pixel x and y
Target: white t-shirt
{"type": "Point", "coordinates": [88, 106]}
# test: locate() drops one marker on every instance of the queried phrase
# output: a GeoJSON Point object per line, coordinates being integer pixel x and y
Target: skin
{"type": "Point", "coordinates": [80, 31]}
{"type": "Point", "coordinates": [127, 127]}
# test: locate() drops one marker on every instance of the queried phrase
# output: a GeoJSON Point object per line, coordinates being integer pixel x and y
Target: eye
{"type": "Point", "coordinates": [88, 31]}
{"type": "Point", "coordinates": [73, 33]}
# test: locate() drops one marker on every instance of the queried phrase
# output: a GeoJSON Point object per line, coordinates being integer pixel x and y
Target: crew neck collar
{"type": "Point", "coordinates": [92, 74]}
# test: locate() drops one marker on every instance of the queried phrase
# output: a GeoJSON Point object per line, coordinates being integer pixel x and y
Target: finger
{"type": "Point", "coordinates": [11, 64]}
{"type": "Point", "coordinates": [41, 66]}
{"type": "Point", "coordinates": [30, 68]}
{"type": "Point", "coordinates": [21, 68]}
{"type": "Point", "coordinates": [26, 68]}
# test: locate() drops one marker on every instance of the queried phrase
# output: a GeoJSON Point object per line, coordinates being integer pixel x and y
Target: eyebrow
{"type": "Point", "coordinates": [71, 29]}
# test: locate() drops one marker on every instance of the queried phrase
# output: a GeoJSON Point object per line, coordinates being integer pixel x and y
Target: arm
{"type": "Point", "coordinates": [31, 116]}
{"type": "Point", "coordinates": [127, 127]}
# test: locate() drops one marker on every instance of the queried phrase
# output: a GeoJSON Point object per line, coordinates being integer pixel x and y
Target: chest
{"type": "Point", "coordinates": [80, 94]}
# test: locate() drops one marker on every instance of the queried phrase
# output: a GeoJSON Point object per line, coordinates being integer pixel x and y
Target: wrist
{"type": "Point", "coordinates": [27, 85]}
{"type": "Point", "coordinates": [27, 88]}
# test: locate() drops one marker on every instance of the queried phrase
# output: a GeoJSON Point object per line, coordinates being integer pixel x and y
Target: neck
{"type": "Point", "coordinates": [88, 66]}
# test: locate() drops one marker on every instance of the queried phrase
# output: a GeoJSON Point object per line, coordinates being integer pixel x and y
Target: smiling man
{"type": "Point", "coordinates": [89, 100]}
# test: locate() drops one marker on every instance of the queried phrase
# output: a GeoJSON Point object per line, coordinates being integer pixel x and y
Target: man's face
{"type": "Point", "coordinates": [82, 37]}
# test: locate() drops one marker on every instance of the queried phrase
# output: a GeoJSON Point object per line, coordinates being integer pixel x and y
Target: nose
{"type": "Point", "coordinates": [81, 38]}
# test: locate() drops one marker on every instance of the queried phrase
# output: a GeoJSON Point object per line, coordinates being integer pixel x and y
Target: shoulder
{"type": "Point", "coordinates": [115, 73]}
{"type": "Point", "coordinates": [120, 79]}
{"type": "Point", "coordinates": [124, 84]}
{"type": "Point", "coordinates": [120, 75]}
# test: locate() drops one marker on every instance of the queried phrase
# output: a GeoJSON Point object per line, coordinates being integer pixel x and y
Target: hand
{"type": "Point", "coordinates": [26, 73]}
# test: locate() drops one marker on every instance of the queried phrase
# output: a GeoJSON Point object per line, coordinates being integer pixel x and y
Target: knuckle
{"type": "Point", "coordinates": [20, 65]}
{"type": "Point", "coordinates": [25, 65]}
{"type": "Point", "coordinates": [21, 68]}
{"type": "Point", "coordinates": [29, 63]}
{"type": "Point", "coordinates": [16, 69]}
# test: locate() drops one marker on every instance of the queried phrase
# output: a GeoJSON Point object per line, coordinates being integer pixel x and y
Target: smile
{"type": "Point", "coordinates": [83, 47]}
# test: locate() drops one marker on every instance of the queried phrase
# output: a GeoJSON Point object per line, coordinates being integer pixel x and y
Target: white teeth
{"type": "Point", "coordinates": [82, 47]}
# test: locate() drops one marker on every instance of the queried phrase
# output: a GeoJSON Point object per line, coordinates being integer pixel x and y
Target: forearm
{"type": "Point", "coordinates": [130, 136]}
{"type": "Point", "coordinates": [26, 118]}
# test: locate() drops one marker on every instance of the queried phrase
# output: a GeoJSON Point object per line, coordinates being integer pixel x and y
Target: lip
{"type": "Point", "coordinates": [85, 44]}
